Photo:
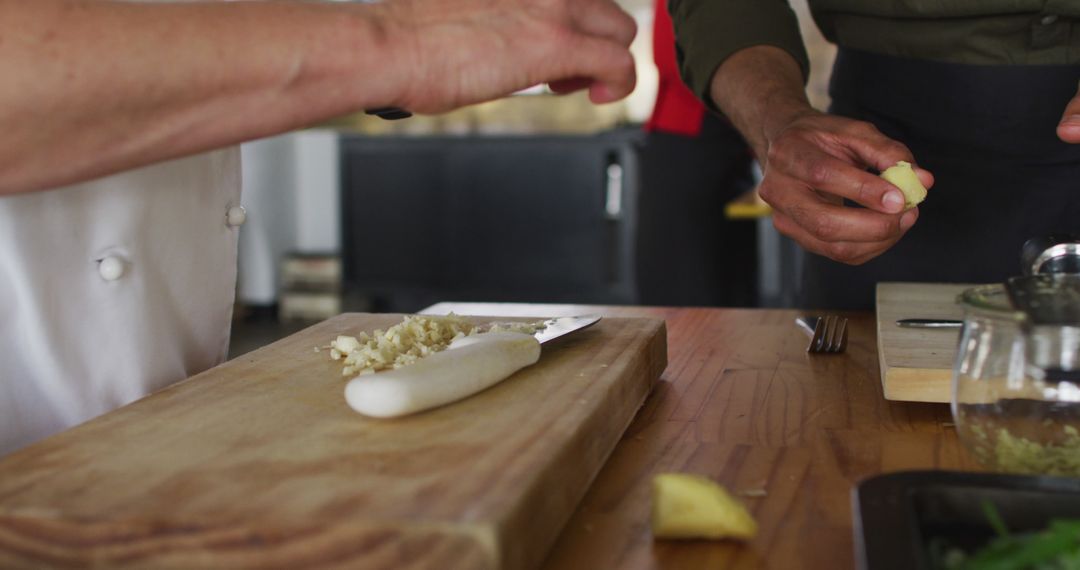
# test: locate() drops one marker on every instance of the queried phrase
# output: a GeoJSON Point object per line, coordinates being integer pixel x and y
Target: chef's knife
{"type": "Point", "coordinates": [470, 365]}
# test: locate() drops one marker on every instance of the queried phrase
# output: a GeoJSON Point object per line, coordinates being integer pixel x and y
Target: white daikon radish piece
{"type": "Point", "coordinates": [468, 366]}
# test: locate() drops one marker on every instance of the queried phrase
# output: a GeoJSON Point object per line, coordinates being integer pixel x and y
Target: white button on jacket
{"type": "Point", "coordinates": [112, 289]}
{"type": "Point", "coordinates": [236, 216]}
{"type": "Point", "coordinates": [111, 268]}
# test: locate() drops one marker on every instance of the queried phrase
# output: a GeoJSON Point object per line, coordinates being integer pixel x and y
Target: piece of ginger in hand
{"type": "Point", "coordinates": [903, 177]}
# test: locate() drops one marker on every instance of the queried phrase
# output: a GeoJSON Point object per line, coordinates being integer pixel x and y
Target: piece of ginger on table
{"type": "Point", "coordinates": [691, 506]}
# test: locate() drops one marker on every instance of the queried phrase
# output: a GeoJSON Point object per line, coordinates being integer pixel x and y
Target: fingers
{"type": "Point", "coordinates": [849, 235]}
{"type": "Point", "coordinates": [925, 177]}
{"type": "Point", "coordinates": [822, 171]}
{"type": "Point", "coordinates": [829, 221]}
{"type": "Point", "coordinates": [1068, 129]}
{"type": "Point", "coordinates": [872, 147]}
{"type": "Point", "coordinates": [601, 22]}
{"type": "Point", "coordinates": [845, 252]}
{"type": "Point", "coordinates": [603, 19]}
{"type": "Point", "coordinates": [875, 149]}
{"type": "Point", "coordinates": [817, 160]}
{"type": "Point", "coordinates": [570, 85]}
{"type": "Point", "coordinates": [831, 154]}
{"type": "Point", "coordinates": [605, 67]}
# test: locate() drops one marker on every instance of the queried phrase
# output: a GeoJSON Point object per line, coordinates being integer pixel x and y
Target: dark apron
{"type": "Point", "coordinates": [987, 133]}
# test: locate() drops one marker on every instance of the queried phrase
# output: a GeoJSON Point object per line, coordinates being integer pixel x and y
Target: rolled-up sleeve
{"type": "Point", "coordinates": [707, 32]}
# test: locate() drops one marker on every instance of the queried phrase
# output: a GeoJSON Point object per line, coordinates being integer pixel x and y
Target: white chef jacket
{"type": "Point", "coordinates": [112, 289]}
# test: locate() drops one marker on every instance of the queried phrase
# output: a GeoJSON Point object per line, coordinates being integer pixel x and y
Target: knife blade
{"type": "Point", "coordinates": [929, 323]}
{"type": "Point", "coordinates": [554, 328]}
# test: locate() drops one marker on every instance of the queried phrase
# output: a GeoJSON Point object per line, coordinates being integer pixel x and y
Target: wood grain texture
{"type": "Point", "coordinates": [916, 364]}
{"type": "Point", "coordinates": [260, 463]}
{"type": "Point", "coordinates": [743, 403]}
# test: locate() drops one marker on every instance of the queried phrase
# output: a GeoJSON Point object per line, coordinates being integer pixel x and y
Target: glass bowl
{"type": "Point", "coordinates": [1016, 388]}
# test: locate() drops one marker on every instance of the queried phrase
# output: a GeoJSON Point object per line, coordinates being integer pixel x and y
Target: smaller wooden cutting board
{"type": "Point", "coordinates": [916, 364]}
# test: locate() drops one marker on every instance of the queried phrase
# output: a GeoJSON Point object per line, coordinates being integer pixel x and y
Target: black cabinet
{"type": "Point", "coordinates": [489, 218]}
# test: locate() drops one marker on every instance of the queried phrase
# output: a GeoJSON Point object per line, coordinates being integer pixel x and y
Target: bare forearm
{"type": "Point", "coordinates": [760, 89]}
{"type": "Point", "coordinates": [94, 87]}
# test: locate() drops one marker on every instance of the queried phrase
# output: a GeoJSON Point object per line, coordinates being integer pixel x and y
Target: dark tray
{"type": "Point", "coordinates": [896, 515]}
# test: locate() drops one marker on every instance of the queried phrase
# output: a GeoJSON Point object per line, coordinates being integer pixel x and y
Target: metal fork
{"type": "Point", "coordinates": [828, 334]}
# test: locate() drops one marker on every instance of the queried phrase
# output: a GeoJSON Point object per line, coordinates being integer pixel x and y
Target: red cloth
{"type": "Point", "coordinates": [677, 110]}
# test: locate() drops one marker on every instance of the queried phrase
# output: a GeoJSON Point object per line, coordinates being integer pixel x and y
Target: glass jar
{"type": "Point", "coordinates": [1016, 388]}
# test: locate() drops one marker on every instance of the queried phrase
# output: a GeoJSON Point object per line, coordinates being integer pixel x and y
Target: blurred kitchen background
{"type": "Point", "coordinates": [529, 199]}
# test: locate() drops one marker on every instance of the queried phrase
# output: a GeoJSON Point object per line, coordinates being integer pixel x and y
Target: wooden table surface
{"type": "Point", "coordinates": [742, 402]}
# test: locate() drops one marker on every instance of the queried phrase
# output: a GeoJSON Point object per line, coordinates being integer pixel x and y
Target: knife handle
{"type": "Point", "coordinates": [470, 365]}
{"type": "Point", "coordinates": [389, 113]}
{"type": "Point", "coordinates": [929, 323]}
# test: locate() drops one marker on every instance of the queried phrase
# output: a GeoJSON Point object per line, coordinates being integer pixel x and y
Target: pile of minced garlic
{"type": "Point", "coordinates": [409, 341]}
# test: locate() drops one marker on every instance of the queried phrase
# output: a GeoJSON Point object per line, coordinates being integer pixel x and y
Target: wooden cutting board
{"type": "Point", "coordinates": [260, 463]}
{"type": "Point", "coordinates": [916, 364]}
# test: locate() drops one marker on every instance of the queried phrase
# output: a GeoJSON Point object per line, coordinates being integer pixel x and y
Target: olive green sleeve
{"type": "Point", "coordinates": [709, 31]}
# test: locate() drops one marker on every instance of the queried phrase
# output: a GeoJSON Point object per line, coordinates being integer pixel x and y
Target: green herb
{"type": "Point", "coordinates": [994, 517]}
{"type": "Point", "coordinates": [1055, 548]}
